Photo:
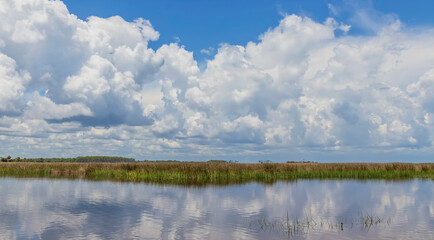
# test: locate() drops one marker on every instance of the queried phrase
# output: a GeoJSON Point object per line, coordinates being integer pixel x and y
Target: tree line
{"type": "Point", "coordinates": [84, 159]}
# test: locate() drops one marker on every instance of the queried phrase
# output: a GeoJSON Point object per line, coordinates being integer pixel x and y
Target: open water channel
{"type": "Point", "coordinates": [303, 209]}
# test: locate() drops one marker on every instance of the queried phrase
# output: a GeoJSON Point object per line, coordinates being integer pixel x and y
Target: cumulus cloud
{"type": "Point", "coordinates": [12, 85]}
{"type": "Point", "coordinates": [42, 107]}
{"type": "Point", "coordinates": [302, 85]}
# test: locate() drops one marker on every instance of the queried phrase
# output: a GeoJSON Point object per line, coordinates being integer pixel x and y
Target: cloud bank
{"type": "Point", "coordinates": [80, 87]}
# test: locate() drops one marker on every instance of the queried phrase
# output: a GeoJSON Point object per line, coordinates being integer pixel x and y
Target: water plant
{"type": "Point", "coordinates": [297, 226]}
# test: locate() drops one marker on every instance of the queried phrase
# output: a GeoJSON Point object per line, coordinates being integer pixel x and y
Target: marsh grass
{"type": "Point", "coordinates": [197, 173]}
{"type": "Point", "coordinates": [298, 226]}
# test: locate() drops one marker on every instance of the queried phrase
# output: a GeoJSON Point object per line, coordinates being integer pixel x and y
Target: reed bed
{"type": "Point", "coordinates": [217, 173]}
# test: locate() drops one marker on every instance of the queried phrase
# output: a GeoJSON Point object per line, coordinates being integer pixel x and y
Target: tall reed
{"type": "Point", "coordinates": [300, 226]}
{"type": "Point", "coordinates": [217, 173]}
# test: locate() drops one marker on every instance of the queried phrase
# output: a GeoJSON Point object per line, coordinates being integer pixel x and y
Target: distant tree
{"type": "Point", "coordinates": [103, 159]}
{"type": "Point", "coordinates": [217, 161]}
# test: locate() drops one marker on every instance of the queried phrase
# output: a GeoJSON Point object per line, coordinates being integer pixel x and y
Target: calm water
{"type": "Point", "coordinates": [78, 209]}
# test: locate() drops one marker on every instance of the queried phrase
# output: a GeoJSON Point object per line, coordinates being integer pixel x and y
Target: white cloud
{"type": "Point", "coordinates": [105, 35]}
{"type": "Point", "coordinates": [42, 107]}
{"type": "Point", "coordinates": [299, 86]}
{"type": "Point", "coordinates": [208, 51]}
{"type": "Point", "coordinates": [92, 81]}
{"type": "Point", "coordinates": [12, 84]}
{"type": "Point", "coordinates": [333, 9]}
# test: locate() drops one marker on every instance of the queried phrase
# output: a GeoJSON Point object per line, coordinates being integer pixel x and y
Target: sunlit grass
{"type": "Point", "coordinates": [217, 173]}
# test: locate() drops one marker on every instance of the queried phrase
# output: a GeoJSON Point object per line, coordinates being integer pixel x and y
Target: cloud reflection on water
{"type": "Point", "coordinates": [64, 209]}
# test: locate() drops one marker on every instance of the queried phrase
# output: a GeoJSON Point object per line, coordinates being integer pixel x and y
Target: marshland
{"type": "Point", "coordinates": [113, 198]}
{"type": "Point", "coordinates": [215, 172]}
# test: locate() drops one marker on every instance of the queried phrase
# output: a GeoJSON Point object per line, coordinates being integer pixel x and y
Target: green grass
{"type": "Point", "coordinates": [217, 173]}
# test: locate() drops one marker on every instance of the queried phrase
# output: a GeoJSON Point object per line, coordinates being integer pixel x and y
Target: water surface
{"type": "Point", "coordinates": [79, 209]}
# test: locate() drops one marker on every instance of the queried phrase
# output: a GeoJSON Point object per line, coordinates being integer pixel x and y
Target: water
{"type": "Point", "coordinates": [79, 209]}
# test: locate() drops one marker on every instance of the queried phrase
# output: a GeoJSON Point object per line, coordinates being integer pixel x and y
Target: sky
{"type": "Point", "coordinates": [204, 25]}
{"type": "Point", "coordinates": [323, 80]}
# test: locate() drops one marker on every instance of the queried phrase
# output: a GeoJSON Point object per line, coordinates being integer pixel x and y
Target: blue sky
{"type": "Point", "coordinates": [342, 80]}
{"type": "Point", "coordinates": [202, 24]}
